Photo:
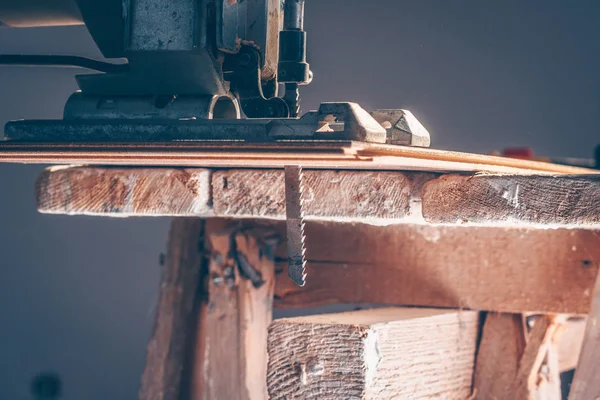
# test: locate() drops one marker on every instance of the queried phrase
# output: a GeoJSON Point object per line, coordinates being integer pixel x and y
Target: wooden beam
{"type": "Point", "coordinates": [569, 341]}
{"type": "Point", "coordinates": [549, 386]}
{"type": "Point", "coordinates": [514, 364]}
{"type": "Point", "coordinates": [164, 376]}
{"type": "Point", "coordinates": [531, 381]}
{"type": "Point", "coordinates": [230, 360]}
{"type": "Point", "coordinates": [215, 304]}
{"type": "Point", "coordinates": [124, 191]}
{"type": "Point", "coordinates": [500, 350]}
{"type": "Point", "coordinates": [547, 200]}
{"type": "Point", "coordinates": [336, 195]}
{"type": "Point", "coordinates": [495, 269]}
{"type": "Point", "coordinates": [586, 383]}
{"type": "Point", "coordinates": [373, 354]}
{"type": "Point", "coordinates": [373, 197]}
{"type": "Point", "coordinates": [256, 309]}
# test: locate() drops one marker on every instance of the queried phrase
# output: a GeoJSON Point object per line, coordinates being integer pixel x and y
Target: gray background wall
{"type": "Point", "coordinates": [77, 293]}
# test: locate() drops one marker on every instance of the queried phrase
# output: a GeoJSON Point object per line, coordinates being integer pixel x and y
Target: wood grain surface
{"type": "Point", "coordinates": [168, 352]}
{"type": "Point", "coordinates": [230, 351]}
{"type": "Point", "coordinates": [586, 383]}
{"type": "Point", "coordinates": [327, 194]}
{"type": "Point", "coordinates": [373, 354]}
{"type": "Point", "coordinates": [210, 334]}
{"type": "Point", "coordinates": [308, 154]}
{"type": "Point", "coordinates": [124, 191]}
{"type": "Point", "coordinates": [530, 382]}
{"type": "Point", "coordinates": [551, 200]}
{"type": "Point", "coordinates": [483, 268]}
{"type": "Point", "coordinates": [498, 356]}
{"type": "Point", "coordinates": [372, 197]}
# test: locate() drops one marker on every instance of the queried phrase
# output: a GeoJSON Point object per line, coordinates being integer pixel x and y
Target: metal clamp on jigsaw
{"type": "Point", "coordinates": [190, 69]}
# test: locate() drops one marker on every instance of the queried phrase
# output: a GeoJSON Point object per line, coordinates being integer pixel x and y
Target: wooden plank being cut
{"type": "Point", "coordinates": [374, 197]}
{"type": "Point", "coordinates": [125, 191]}
{"type": "Point", "coordinates": [373, 354]}
{"type": "Point", "coordinates": [334, 195]}
{"type": "Point", "coordinates": [325, 155]}
{"type": "Point", "coordinates": [551, 200]}
{"type": "Point", "coordinates": [495, 269]}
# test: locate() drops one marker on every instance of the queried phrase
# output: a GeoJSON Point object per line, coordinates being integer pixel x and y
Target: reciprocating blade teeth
{"type": "Point", "coordinates": [292, 98]}
{"type": "Point", "coordinates": [295, 224]}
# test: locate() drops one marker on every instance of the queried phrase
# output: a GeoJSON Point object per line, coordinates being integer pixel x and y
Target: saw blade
{"type": "Point", "coordinates": [295, 224]}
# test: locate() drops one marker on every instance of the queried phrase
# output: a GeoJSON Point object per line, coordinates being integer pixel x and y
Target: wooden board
{"type": "Point", "coordinates": [510, 359]}
{"type": "Point", "coordinates": [210, 335]}
{"type": "Point", "coordinates": [531, 382]}
{"type": "Point", "coordinates": [230, 352]}
{"type": "Point", "coordinates": [164, 376]}
{"type": "Point", "coordinates": [335, 195]}
{"type": "Point", "coordinates": [374, 197]}
{"type": "Point", "coordinates": [542, 200]}
{"type": "Point", "coordinates": [373, 354]}
{"type": "Point", "coordinates": [327, 155]}
{"type": "Point", "coordinates": [568, 345]}
{"type": "Point", "coordinates": [498, 356]}
{"type": "Point", "coordinates": [125, 191]}
{"type": "Point", "coordinates": [586, 382]}
{"type": "Point", "coordinates": [496, 269]}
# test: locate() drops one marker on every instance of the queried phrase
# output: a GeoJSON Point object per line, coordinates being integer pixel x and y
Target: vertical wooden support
{"type": "Point", "coordinates": [586, 383]}
{"type": "Point", "coordinates": [173, 328]}
{"type": "Point", "coordinates": [231, 339]}
{"type": "Point", "coordinates": [215, 304]}
{"type": "Point", "coordinates": [533, 381]}
{"type": "Point", "coordinates": [502, 344]}
{"type": "Point", "coordinates": [512, 364]}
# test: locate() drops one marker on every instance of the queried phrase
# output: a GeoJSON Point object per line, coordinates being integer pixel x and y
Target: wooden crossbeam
{"type": "Point", "coordinates": [494, 269]}
{"type": "Point", "coordinates": [374, 197]}
{"type": "Point", "coordinates": [373, 354]}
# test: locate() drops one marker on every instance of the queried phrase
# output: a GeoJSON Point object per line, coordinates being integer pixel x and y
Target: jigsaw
{"type": "Point", "coordinates": [196, 71]}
